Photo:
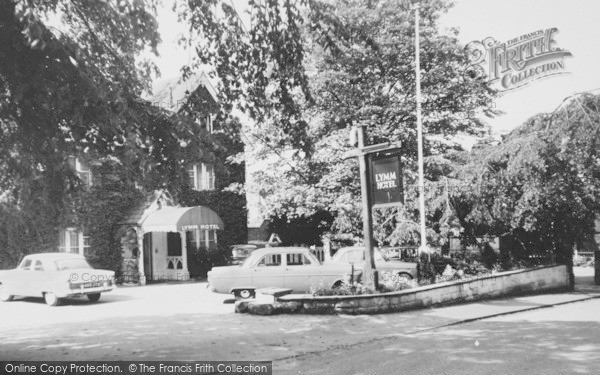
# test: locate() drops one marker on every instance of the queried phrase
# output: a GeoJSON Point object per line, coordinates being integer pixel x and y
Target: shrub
{"type": "Point", "coordinates": [396, 283]}
{"type": "Point", "coordinates": [344, 289]}
{"type": "Point", "coordinates": [488, 256]}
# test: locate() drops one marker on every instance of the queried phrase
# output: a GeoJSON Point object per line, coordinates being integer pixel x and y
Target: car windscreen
{"type": "Point", "coordinates": [71, 264]}
{"type": "Point", "coordinates": [25, 264]}
{"type": "Point", "coordinates": [380, 256]}
{"type": "Point", "coordinates": [248, 261]}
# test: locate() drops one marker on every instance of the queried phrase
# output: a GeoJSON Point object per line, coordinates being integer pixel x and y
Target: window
{"type": "Point", "coordinates": [72, 264]}
{"type": "Point", "coordinates": [356, 256]}
{"type": "Point", "coordinates": [38, 266]}
{"type": "Point", "coordinates": [202, 238]}
{"type": "Point", "coordinates": [73, 238]}
{"type": "Point", "coordinates": [208, 123]}
{"type": "Point", "coordinates": [173, 244]}
{"type": "Point", "coordinates": [211, 239]}
{"type": "Point", "coordinates": [74, 241]}
{"type": "Point", "coordinates": [296, 259]}
{"type": "Point", "coordinates": [202, 176]}
{"type": "Point", "coordinates": [209, 177]}
{"type": "Point", "coordinates": [271, 260]}
{"type": "Point", "coordinates": [195, 175]}
{"type": "Point", "coordinates": [83, 170]}
{"type": "Point", "coordinates": [191, 237]}
{"type": "Point", "coordinates": [25, 265]}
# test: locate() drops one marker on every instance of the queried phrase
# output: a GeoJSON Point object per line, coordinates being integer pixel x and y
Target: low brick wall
{"type": "Point", "coordinates": [544, 279]}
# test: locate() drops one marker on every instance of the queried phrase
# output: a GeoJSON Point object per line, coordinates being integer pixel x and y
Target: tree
{"type": "Point", "coordinates": [362, 71]}
{"type": "Point", "coordinates": [74, 88]}
{"type": "Point", "coordinates": [541, 185]}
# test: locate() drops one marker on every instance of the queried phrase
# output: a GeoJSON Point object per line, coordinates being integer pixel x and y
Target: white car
{"type": "Point", "coordinates": [278, 267]}
{"type": "Point", "coordinates": [356, 255]}
{"type": "Point", "coordinates": [55, 276]}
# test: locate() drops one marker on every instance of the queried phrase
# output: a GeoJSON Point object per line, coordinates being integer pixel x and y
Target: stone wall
{"type": "Point", "coordinates": [544, 279]}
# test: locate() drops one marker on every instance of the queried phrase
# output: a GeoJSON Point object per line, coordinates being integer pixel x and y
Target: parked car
{"type": "Point", "coordinates": [54, 276]}
{"type": "Point", "coordinates": [240, 252]}
{"type": "Point", "coordinates": [284, 267]}
{"type": "Point", "coordinates": [404, 253]}
{"type": "Point", "coordinates": [356, 255]}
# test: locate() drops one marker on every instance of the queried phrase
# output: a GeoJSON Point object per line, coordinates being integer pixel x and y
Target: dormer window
{"type": "Point", "coordinates": [202, 176]}
{"type": "Point", "coordinates": [83, 170]}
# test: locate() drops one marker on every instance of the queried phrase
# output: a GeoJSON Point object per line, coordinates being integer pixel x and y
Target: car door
{"type": "Point", "coordinates": [38, 280]}
{"type": "Point", "coordinates": [20, 283]}
{"type": "Point", "coordinates": [357, 258]}
{"type": "Point", "coordinates": [300, 272]}
{"type": "Point", "coordinates": [268, 272]}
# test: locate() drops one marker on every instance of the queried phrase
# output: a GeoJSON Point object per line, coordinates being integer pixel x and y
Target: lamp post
{"type": "Point", "coordinates": [421, 188]}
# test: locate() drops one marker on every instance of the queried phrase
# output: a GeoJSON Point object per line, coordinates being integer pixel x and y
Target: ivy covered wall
{"type": "Point", "coordinates": [228, 200]}
{"type": "Point", "coordinates": [34, 212]}
{"type": "Point", "coordinates": [98, 210]}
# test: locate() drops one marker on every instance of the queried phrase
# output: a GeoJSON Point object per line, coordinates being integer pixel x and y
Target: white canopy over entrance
{"type": "Point", "coordinates": [164, 236]}
{"type": "Point", "coordinates": [182, 219]}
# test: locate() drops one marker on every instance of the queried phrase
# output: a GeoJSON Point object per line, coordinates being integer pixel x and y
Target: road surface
{"type": "Point", "coordinates": [188, 322]}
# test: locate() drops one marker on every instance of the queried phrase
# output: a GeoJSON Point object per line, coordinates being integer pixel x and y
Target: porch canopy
{"type": "Point", "coordinates": [181, 219]}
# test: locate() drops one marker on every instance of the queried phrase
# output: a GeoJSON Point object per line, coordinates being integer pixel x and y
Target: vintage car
{"type": "Point", "coordinates": [240, 252]}
{"type": "Point", "coordinates": [356, 255]}
{"type": "Point", "coordinates": [278, 267]}
{"type": "Point", "coordinates": [54, 276]}
{"type": "Point", "coordinates": [405, 253]}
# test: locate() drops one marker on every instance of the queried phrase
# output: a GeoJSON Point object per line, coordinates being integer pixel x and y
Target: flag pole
{"type": "Point", "coordinates": [423, 247]}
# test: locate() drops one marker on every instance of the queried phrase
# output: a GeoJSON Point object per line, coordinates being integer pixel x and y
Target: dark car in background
{"type": "Point", "coordinates": [240, 252]}
{"type": "Point", "coordinates": [403, 253]}
{"type": "Point", "coordinates": [356, 255]}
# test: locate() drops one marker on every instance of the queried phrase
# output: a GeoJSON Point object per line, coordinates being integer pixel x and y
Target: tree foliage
{"type": "Point", "coordinates": [353, 63]}
{"type": "Point", "coordinates": [542, 184]}
{"type": "Point", "coordinates": [71, 78]}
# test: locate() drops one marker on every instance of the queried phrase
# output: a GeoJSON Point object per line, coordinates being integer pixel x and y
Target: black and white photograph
{"type": "Point", "coordinates": [299, 187]}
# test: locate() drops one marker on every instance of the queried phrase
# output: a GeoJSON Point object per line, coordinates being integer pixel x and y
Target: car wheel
{"type": "Point", "coordinates": [4, 296]}
{"type": "Point", "coordinates": [244, 293]}
{"type": "Point", "coordinates": [337, 285]}
{"type": "Point", "coordinates": [51, 299]}
{"type": "Point", "coordinates": [405, 275]}
{"type": "Point", "coordinates": [94, 297]}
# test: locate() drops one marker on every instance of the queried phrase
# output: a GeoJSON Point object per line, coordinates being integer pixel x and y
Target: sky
{"type": "Point", "coordinates": [578, 32]}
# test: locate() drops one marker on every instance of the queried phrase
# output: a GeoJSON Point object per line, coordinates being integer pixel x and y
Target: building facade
{"type": "Point", "coordinates": [164, 238]}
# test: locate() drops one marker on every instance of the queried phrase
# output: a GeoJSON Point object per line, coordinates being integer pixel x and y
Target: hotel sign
{"type": "Point", "coordinates": [519, 61]}
{"type": "Point", "coordinates": [200, 227]}
{"type": "Point", "coordinates": [386, 182]}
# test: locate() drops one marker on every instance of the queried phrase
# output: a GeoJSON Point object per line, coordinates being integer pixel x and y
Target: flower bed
{"type": "Point", "coordinates": [439, 270]}
{"type": "Point", "coordinates": [536, 280]}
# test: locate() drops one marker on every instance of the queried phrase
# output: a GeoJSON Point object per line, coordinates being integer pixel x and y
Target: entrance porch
{"type": "Point", "coordinates": [168, 234]}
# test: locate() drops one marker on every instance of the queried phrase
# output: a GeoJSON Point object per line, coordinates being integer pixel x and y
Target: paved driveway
{"type": "Point", "coordinates": [125, 302]}
{"type": "Point", "coordinates": [188, 322]}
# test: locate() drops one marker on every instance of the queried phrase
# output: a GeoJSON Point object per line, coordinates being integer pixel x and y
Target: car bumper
{"type": "Point", "coordinates": [82, 291]}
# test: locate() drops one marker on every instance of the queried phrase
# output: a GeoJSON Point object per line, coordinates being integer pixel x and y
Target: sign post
{"type": "Point", "coordinates": [370, 276]}
{"type": "Point", "coordinates": [388, 175]}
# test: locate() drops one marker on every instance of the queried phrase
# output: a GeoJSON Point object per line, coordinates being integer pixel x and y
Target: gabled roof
{"type": "Point", "coordinates": [144, 207]}
{"type": "Point", "coordinates": [172, 93]}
